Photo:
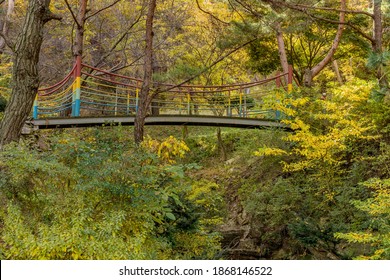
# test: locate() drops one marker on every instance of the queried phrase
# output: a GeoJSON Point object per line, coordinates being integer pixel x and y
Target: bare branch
{"type": "Point", "coordinates": [208, 67]}
{"type": "Point", "coordinates": [119, 40]}
{"type": "Point", "coordinates": [249, 9]}
{"type": "Point", "coordinates": [347, 23]}
{"type": "Point", "coordinates": [304, 9]}
{"type": "Point", "coordinates": [72, 13]}
{"type": "Point", "coordinates": [210, 14]}
{"type": "Point", "coordinates": [301, 7]}
{"type": "Point", "coordinates": [103, 9]}
{"type": "Point", "coordinates": [7, 41]}
{"type": "Point", "coordinates": [51, 16]}
{"type": "Point", "coordinates": [236, 10]}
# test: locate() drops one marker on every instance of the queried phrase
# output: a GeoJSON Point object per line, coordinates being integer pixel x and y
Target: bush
{"type": "Point", "coordinates": [3, 103]}
{"type": "Point", "coordinates": [90, 198]}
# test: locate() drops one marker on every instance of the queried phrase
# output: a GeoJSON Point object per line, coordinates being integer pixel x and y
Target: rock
{"type": "Point", "coordinates": [232, 160]}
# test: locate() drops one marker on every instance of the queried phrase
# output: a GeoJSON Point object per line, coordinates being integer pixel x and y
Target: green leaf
{"type": "Point", "coordinates": [170, 216]}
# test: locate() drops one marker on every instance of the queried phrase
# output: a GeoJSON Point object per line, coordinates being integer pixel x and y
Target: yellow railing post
{"type": "Point", "coordinates": [136, 99]}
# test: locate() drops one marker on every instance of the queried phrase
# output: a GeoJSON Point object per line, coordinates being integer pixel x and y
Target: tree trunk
{"type": "Point", "coordinates": [80, 24]}
{"type": "Point", "coordinates": [377, 45]}
{"type": "Point", "coordinates": [221, 145]}
{"type": "Point", "coordinates": [377, 32]}
{"type": "Point", "coordinates": [337, 71]}
{"type": "Point", "coordinates": [145, 97]}
{"type": "Point", "coordinates": [281, 48]}
{"type": "Point", "coordinates": [25, 80]}
{"type": "Point", "coordinates": [5, 24]}
{"type": "Point", "coordinates": [155, 104]}
{"type": "Point", "coordinates": [311, 73]}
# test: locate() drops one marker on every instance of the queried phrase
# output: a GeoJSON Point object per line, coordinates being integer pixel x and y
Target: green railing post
{"type": "Point", "coordinates": [247, 92]}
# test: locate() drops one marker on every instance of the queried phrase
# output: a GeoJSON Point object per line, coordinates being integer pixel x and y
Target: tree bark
{"type": "Point", "coordinates": [144, 96]}
{"type": "Point", "coordinates": [5, 24]}
{"type": "Point", "coordinates": [281, 48]}
{"type": "Point", "coordinates": [377, 45]}
{"type": "Point", "coordinates": [221, 145]}
{"type": "Point", "coordinates": [311, 73]}
{"type": "Point", "coordinates": [25, 80]}
{"type": "Point", "coordinates": [80, 28]}
{"type": "Point", "coordinates": [155, 103]}
{"type": "Point", "coordinates": [337, 71]}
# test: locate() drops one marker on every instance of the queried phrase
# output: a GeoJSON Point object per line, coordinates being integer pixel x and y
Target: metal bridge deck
{"type": "Point", "coordinates": [157, 120]}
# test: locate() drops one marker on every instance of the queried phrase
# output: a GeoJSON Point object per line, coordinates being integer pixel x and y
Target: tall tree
{"type": "Point", "coordinates": [377, 42]}
{"type": "Point", "coordinates": [80, 20]}
{"type": "Point", "coordinates": [25, 80]}
{"type": "Point", "coordinates": [145, 96]}
{"type": "Point", "coordinates": [311, 73]}
{"type": "Point", "coordinates": [374, 34]}
{"type": "Point", "coordinates": [278, 19]}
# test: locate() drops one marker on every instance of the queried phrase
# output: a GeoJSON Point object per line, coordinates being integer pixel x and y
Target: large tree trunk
{"type": "Point", "coordinates": [311, 73]}
{"type": "Point", "coordinates": [145, 96]}
{"type": "Point", "coordinates": [25, 73]}
{"type": "Point", "coordinates": [377, 45]}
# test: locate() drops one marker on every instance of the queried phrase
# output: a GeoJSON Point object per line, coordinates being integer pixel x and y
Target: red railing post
{"type": "Point", "coordinates": [76, 103]}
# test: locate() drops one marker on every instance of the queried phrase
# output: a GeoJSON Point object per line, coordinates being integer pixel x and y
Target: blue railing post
{"type": "Point", "coordinates": [35, 108]}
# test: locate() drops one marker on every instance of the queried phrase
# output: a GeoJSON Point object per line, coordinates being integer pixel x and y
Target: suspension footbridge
{"type": "Point", "coordinates": [90, 96]}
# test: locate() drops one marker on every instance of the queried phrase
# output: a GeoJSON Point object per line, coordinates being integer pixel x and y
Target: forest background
{"type": "Point", "coordinates": [320, 192]}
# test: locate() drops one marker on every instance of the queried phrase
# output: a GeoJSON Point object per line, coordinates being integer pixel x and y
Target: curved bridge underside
{"type": "Point", "coordinates": [157, 120]}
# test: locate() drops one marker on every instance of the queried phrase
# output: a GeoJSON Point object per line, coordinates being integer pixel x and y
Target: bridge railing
{"type": "Point", "coordinates": [89, 91]}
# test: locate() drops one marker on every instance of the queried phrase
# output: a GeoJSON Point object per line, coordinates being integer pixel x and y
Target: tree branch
{"type": "Point", "coordinates": [249, 9]}
{"type": "Point", "coordinates": [210, 14]}
{"type": "Point", "coordinates": [119, 40]}
{"type": "Point", "coordinates": [347, 23]}
{"type": "Point", "coordinates": [7, 41]}
{"type": "Point", "coordinates": [51, 16]}
{"type": "Point", "coordinates": [301, 7]}
{"type": "Point", "coordinates": [317, 68]}
{"type": "Point", "coordinates": [208, 67]}
{"type": "Point", "coordinates": [72, 13]}
{"type": "Point", "coordinates": [102, 9]}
